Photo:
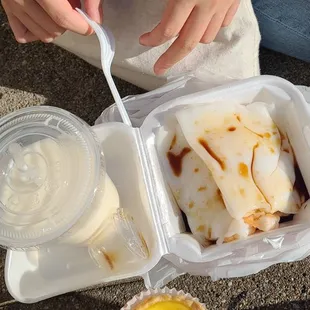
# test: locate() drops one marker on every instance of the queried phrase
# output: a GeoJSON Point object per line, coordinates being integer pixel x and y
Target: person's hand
{"type": "Point", "coordinates": [44, 20]}
{"type": "Point", "coordinates": [193, 21]}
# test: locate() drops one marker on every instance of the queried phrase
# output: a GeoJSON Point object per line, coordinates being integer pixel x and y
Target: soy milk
{"type": "Point", "coordinates": [39, 171]}
{"type": "Point", "coordinates": [53, 184]}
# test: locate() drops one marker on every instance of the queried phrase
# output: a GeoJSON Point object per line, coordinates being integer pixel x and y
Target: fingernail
{"type": "Point", "coordinates": [49, 40]}
{"type": "Point", "coordinates": [159, 71]}
{"type": "Point", "coordinates": [21, 40]}
{"type": "Point", "coordinates": [58, 34]}
{"type": "Point", "coordinates": [144, 39]}
{"type": "Point", "coordinates": [90, 31]}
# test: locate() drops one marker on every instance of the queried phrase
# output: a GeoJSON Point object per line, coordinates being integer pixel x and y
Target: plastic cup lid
{"type": "Point", "coordinates": [49, 171]}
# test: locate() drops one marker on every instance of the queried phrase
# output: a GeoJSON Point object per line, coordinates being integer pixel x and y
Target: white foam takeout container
{"type": "Point", "coordinates": [133, 165]}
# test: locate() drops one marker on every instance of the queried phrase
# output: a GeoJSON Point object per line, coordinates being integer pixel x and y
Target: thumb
{"type": "Point", "coordinates": [94, 9]}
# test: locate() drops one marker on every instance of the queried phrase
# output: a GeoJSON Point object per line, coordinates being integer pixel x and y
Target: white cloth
{"type": "Point", "coordinates": [233, 54]}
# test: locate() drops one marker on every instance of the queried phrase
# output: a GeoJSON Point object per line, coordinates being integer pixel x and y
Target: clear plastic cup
{"type": "Point", "coordinates": [118, 245]}
{"type": "Point", "coordinates": [54, 188]}
{"type": "Point", "coordinates": [50, 168]}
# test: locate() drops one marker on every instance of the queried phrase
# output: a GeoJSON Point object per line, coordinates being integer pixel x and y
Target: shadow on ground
{"type": "Point", "coordinates": [236, 303]}
{"type": "Point", "coordinates": [294, 70]}
{"type": "Point", "coordinates": [293, 305]}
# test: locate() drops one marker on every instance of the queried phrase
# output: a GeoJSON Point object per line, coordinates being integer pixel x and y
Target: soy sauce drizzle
{"type": "Point", "coordinates": [176, 160]}
{"type": "Point", "coordinates": [206, 146]}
